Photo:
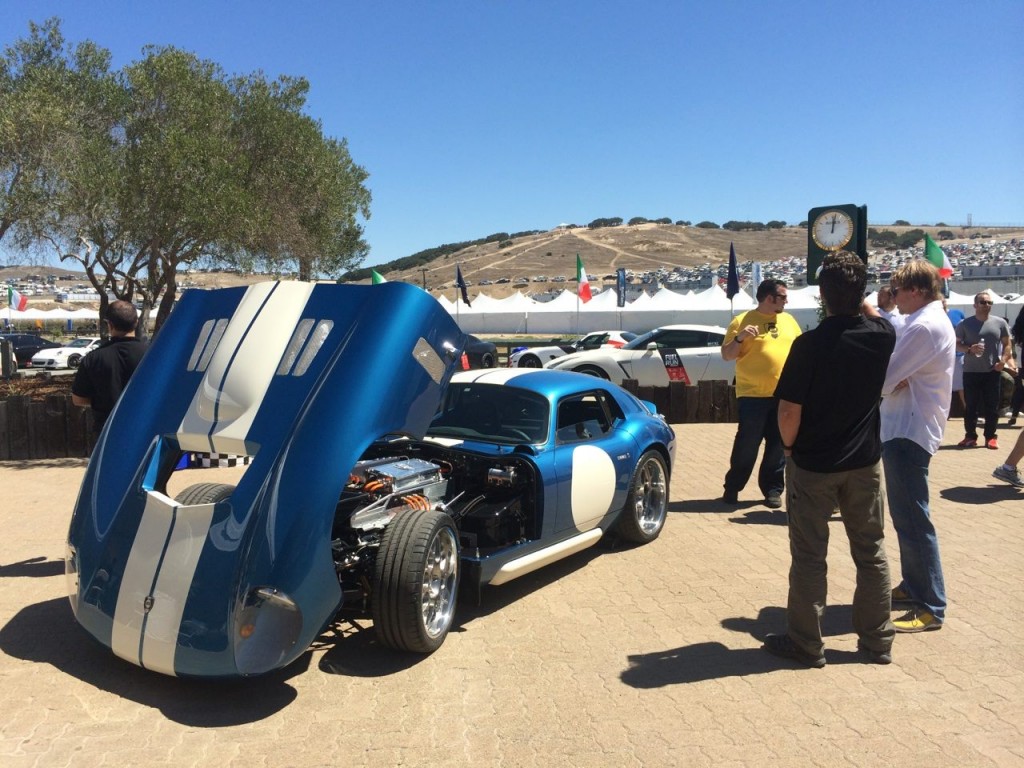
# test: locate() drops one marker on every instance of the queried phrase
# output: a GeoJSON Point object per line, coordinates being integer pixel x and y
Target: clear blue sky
{"type": "Point", "coordinates": [488, 116]}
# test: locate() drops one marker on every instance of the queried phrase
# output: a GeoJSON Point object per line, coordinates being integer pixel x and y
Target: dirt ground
{"type": "Point", "coordinates": [36, 387]}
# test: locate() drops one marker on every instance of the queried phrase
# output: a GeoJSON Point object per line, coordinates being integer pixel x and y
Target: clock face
{"type": "Point", "coordinates": [832, 230]}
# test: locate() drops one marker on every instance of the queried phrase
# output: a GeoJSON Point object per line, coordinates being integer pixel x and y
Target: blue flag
{"type": "Point", "coordinates": [461, 284]}
{"type": "Point", "coordinates": [733, 283]}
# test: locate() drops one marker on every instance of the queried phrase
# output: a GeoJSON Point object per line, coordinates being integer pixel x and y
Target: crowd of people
{"type": "Point", "coordinates": [865, 394]}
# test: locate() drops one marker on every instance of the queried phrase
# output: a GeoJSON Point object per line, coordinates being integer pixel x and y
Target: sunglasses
{"type": "Point", "coordinates": [987, 303]}
{"type": "Point", "coordinates": [781, 296]}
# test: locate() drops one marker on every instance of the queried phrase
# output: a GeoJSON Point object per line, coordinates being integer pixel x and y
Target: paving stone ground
{"type": "Point", "coordinates": [617, 657]}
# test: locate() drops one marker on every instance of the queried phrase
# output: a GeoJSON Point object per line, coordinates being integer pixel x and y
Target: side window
{"type": "Point", "coordinates": [683, 339]}
{"type": "Point", "coordinates": [594, 340]}
{"type": "Point", "coordinates": [581, 418]}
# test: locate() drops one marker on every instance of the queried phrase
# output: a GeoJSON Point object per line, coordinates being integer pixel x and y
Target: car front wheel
{"type": "Point", "coordinates": [416, 579]}
{"type": "Point", "coordinates": [74, 360]}
{"type": "Point", "coordinates": [647, 504]}
{"type": "Point", "coordinates": [529, 361]}
{"type": "Point", "coordinates": [593, 370]}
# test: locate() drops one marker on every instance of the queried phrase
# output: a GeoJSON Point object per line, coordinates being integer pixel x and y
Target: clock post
{"type": "Point", "coordinates": [835, 228]}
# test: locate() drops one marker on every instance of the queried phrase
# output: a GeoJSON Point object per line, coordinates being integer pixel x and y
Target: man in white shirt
{"type": "Point", "coordinates": [887, 308]}
{"type": "Point", "coordinates": [915, 406]}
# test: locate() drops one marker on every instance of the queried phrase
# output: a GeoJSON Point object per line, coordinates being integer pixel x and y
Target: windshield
{"type": "Point", "coordinates": [80, 342]}
{"type": "Point", "coordinates": [492, 413]}
{"type": "Point", "coordinates": [640, 342]}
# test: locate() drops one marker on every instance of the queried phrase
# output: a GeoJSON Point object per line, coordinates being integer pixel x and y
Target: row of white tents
{"type": "Point", "coordinates": [31, 316]}
{"type": "Point", "coordinates": [566, 314]}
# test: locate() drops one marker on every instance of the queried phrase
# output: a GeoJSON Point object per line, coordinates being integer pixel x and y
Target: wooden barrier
{"type": "Point", "coordinates": [52, 428]}
{"type": "Point", "coordinates": [55, 429]}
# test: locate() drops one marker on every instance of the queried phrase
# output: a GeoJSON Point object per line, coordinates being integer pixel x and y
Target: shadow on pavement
{"type": "Point", "coordinates": [710, 506]}
{"type": "Point", "coordinates": [762, 517]}
{"type": "Point", "coordinates": [47, 633]}
{"type": "Point", "coordinates": [963, 494]}
{"type": "Point", "coordinates": [713, 660]}
{"type": "Point", "coordinates": [33, 567]}
{"type": "Point", "coordinates": [352, 647]}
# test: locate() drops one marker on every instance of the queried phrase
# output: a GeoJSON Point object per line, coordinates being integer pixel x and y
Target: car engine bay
{"type": "Point", "coordinates": [492, 500]}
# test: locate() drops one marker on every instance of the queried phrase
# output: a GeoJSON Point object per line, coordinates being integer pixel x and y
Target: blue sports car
{"type": "Point", "coordinates": [376, 483]}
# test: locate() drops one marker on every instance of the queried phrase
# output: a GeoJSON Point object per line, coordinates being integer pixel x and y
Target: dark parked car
{"type": "Point", "coordinates": [479, 354]}
{"type": "Point", "coordinates": [377, 482]}
{"type": "Point", "coordinates": [25, 345]}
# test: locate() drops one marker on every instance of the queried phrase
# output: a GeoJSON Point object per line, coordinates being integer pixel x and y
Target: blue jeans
{"type": "Point", "coordinates": [906, 485]}
{"type": "Point", "coordinates": [758, 420]}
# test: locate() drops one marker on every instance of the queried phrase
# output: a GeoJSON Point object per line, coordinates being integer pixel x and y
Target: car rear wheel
{"type": "Point", "coordinates": [487, 360]}
{"type": "Point", "coordinates": [592, 370]}
{"type": "Point", "coordinates": [204, 493]}
{"type": "Point", "coordinates": [74, 361]}
{"type": "Point", "coordinates": [416, 579]}
{"type": "Point", "coordinates": [647, 504]}
{"type": "Point", "coordinates": [529, 361]}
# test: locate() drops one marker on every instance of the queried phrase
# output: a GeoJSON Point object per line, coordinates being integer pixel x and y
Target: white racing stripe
{"type": "Point", "coordinates": [243, 367]}
{"type": "Point", "coordinates": [170, 538]}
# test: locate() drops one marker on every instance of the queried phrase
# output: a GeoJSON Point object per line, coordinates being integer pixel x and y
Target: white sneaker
{"type": "Point", "coordinates": [1009, 475]}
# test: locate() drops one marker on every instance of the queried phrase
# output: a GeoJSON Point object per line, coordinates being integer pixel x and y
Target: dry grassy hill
{"type": "Point", "coordinates": [640, 248]}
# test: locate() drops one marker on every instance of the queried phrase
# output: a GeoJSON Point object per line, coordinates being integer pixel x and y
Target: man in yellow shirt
{"type": "Point", "coordinates": [759, 342]}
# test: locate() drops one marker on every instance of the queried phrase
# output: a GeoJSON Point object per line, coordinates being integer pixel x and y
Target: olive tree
{"type": "Point", "coordinates": [168, 161]}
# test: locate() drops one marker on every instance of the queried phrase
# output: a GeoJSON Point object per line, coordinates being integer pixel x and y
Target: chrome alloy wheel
{"type": "Point", "coordinates": [440, 580]}
{"type": "Point", "coordinates": [650, 496]}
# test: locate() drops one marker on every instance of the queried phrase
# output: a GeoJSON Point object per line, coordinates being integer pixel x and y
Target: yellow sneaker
{"type": "Point", "coordinates": [900, 595]}
{"type": "Point", "coordinates": [917, 620]}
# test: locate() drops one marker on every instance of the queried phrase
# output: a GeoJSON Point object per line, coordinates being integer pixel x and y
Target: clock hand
{"type": "Point", "coordinates": [833, 223]}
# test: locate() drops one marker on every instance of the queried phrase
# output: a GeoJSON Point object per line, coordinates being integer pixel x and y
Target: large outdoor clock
{"type": "Point", "coordinates": [833, 228]}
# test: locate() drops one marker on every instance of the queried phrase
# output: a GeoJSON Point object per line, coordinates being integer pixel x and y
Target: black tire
{"type": "Point", "coordinates": [204, 493]}
{"type": "Point", "coordinates": [643, 517]}
{"type": "Point", "coordinates": [416, 581]}
{"type": "Point", "coordinates": [487, 360]}
{"type": "Point", "coordinates": [74, 361]}
{"type": "Point", "coordinates": [529, 361]}
{"type": "Point", "coordinates": [592, 370]}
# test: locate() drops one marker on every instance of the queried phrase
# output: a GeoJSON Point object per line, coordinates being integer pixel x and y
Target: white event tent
{"type": "Point", "coordinates": [565, 314]}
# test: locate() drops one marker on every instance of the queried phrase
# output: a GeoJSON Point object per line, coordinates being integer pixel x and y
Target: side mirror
{"type": "Point", "coordinates": [652, 345]}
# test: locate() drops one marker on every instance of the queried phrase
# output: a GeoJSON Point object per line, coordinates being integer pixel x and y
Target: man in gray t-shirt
{"type": "Point", "coordinates": [985, 342]}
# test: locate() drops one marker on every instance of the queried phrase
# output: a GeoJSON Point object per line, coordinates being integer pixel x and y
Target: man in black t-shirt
{"type": "Point", "coordinates": [104, 373]}
{"type": "Point", "coordinates": [829, 394]}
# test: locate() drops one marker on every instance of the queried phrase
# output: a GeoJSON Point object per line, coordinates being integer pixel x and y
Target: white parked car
{"type": "Point", "coordinates": [68, 356]}
{"type": "Point", "coordinates": [687, 353]}
{"type": "Point", "coordinates": [536, 357]}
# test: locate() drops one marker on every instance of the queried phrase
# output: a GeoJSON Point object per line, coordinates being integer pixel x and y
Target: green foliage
{"type": "Point", "coordinates": [910, 238]}
{"type": "Point", "coordinates": [707, 225]}
{"type": "Point", "coordinates": [638, 220]}
{"type": "Point", "coordinates": [682, 223]}
{"type": "Point", "coordinates": [743, 226]}
{"type": "Point", "coordinates": [775, 224]}
{"type": "Point", "coordinates": [506, 243]}
{"type": "Point", "coordinates": [882, 238]}
{"type": "Point", "coordinates": [901, 223]}
{"type": "Point", "coordinates": [945, 234]}
{"type": "Point", "coordinates": [168, 161]}
{"type": "Point", "coordinates": [612, 222]}
{"type": "Point", "coordinates": [663, 220]}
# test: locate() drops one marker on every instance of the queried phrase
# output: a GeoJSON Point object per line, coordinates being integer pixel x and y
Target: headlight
{"type": "Point", "coordinates": [266, 627]}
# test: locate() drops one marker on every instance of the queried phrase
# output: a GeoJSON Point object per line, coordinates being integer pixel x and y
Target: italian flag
{"type": "Point", "coordinates": [582, 284]}
{"type": "Point", "coordinates": [938, 258]}
{"type": "Point", "coordinates": [15, 299]}
{"type": "Point", "coordinates": [376, 277]}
